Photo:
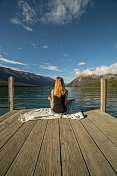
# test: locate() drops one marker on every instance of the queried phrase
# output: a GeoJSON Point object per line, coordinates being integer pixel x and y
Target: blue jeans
{"type": "Point", "coordinates": [68, 105]}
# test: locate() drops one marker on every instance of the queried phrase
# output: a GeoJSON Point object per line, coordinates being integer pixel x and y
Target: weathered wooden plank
{"type": "Point", "coordinates": [72, 160]}
{"type": "Point", "coordinates": [106, 146]}
{"type": "Point", "coordinates": [96, 162]}
{"type": "Point", "coordinates": [106, 123]}
{"type": "Point", "coordinates": [48, 162]}
{"type": "Point", "coordinates": [106, 117]}
{"type": "Point", "coordinates": [4, 124]}
{"type": "Point", "coordinates": [6, 115]}
{"type": "Point", "coordinates": [24, 163]}
{"type": "Point", "coordinates": [10, 150]}
{"type": "Point", "coordinates": [75, 148]}
{"type": "Point", "coordinates": [9, 127]}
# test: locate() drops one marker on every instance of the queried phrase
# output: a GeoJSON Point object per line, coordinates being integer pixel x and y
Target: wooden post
{"type": "Point", "coordinates": [11, 93]}
{"type": "Point", "coordinates": [103, 95]}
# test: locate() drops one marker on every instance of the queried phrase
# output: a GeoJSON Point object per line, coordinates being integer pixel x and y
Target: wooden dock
{"type": "Point", "coordinates": [59, 147]}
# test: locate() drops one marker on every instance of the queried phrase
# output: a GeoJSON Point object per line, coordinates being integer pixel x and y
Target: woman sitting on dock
{"type": "Point", "coordinates": [58, 101]}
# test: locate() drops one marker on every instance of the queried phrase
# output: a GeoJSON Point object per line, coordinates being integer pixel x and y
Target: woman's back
{"type": "Point", "coordinates": [59, 104]}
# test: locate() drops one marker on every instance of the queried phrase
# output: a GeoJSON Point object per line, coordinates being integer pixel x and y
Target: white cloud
{"type": "Point", "coordinates": [81, 63]}
{"type": "Point", "coordinates": [65, 55]}
{"type": "Point", "coordinates": [77, 69]}
{"type": "Point", "coordinates": [61, 12]}
{"type": "Point", "coordinates": [27, 28]}
{"type": "Point", "coordinates": [27, 11]}
{"type": "Point", "coordinates": [50, 67]}
{"type": "Point", "coordinates": [26, 15]}
{"type": "Point", "coordinates": [77, 72]}
{"type": "Point", "coordinates": [51, 11]}
{"type": "Point", "coordinates": [16, 20]}
{"type": "Point", "coordinates": [3, 52]}
{"type": "Point", "coordinates": [45, 46]}
{"type": "Point", "coordinates": [102, 70]}
{"type": "Point", "coordinates": [34, 45]}
{"type": "Point", "coordinates": [13, 68]}
{"type": "Point", "coordinates": [10, 61]}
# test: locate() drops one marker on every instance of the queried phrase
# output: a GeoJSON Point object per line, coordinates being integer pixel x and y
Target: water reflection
{"type": "Point", "coordinates": [36, 97]}
{"type": "Point", "coordinates": [85, 97]}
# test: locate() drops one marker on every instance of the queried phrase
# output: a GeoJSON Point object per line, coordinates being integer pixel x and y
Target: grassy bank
{"type": "Point", "coordinates": [110, 84]}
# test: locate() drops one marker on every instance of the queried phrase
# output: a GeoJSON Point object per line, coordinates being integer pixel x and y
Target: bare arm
{"type": "Point", "coordinates": [52, 97]}
{"type": "Point", "coordinates": [68, 101]}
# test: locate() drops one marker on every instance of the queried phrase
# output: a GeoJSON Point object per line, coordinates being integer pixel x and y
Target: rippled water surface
{"type": "Point", "coordinates": [36, 97]}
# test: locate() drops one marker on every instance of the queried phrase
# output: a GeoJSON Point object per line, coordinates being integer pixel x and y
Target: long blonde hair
{"type": "Point", "coordinates": [59, 87]}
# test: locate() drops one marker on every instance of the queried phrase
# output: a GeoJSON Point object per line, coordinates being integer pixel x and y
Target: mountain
{"type": "Point", "coordinates": [91, 80]}
{"type": "Point", "coordinates": [26, 78]}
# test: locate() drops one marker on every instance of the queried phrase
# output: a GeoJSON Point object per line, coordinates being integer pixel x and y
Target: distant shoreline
{"type": "Point", "coordinates": [5, 84]}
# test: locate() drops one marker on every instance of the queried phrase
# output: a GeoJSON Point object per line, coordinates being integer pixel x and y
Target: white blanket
{"type": "Point", "coordinates": [45, 113]}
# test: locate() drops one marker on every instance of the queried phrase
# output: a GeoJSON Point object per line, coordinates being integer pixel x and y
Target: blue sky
{"type": "Point", "coordinates": [59, 38]}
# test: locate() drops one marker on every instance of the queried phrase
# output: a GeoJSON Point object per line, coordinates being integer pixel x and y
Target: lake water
{"type": "Point", "coordinates": [36, 97]}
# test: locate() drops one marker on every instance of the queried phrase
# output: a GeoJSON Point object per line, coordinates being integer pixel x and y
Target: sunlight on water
{"type": "Point", "coordinates": [35, 97]}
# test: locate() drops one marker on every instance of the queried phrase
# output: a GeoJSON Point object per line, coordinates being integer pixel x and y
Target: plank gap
{"type": "Point", "coordinates": [79, 148]}
{"type": "Point", "coordinates": [40, 149]}
{"type": "Point", "coordinates": [24, 163]}
{"type": "Point", "coordinates": [99, 148]}
{"type": "Point", "coordinates": [102, 131]}
{"type": "Point", "coordinates": [60, 149]}
{"type": "Point", "coordinates": [11, 136]}
{"type": "Point", "coordinates": [19, 149]}
{"type": "Point", "coordinates": [72, 160]}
